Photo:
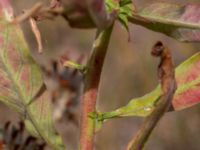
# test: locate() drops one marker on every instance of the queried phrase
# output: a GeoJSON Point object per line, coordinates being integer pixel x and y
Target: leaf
{"type": "Point", "coordinates": [125, 2]}
{"type": "Point", "coordinates": [74, 65]}
{"type": "Point", "coordinates": [178, 21]}
{"type": "Point", "coordinates": [111, 5]}
{"type": "Point", "coordinates": [124, 21]}
{"type": "Point", "coordinates": [125, 11]}
{"type": "Point", "coordinates": [124, 8]}
{"type": "Point", "coordinates": [187, 94]}
{"type": "Point", "coordinates": [21, 79]}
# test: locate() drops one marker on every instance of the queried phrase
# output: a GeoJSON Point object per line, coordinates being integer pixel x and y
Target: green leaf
{"type": "Point", "coordinates": [21, 79]}
{"type": "Point", "coordinates": [125, 11]}
{"type": "Point", "coordinates": [124, 8]}
{"type": "Point", "coordinates": [111, 5]}
{"type": "Point", "coordinates": [124, 21]}
{"type": "Point", "coordinates": [75, 65]}
{"type": "Point", "coordinates": [178, 21]}
{"type": "Point", "coordinates": [124, 2]}
{"type": "Point", "coordinates": [187, 94]}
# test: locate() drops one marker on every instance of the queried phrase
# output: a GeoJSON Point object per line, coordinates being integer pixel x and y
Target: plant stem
{"type": "Point", "coordinates": [166, 75]}
{"type": "Point", "coordinates": [92, 79]}
{"type": "Point", "coordinates": [150, 123]}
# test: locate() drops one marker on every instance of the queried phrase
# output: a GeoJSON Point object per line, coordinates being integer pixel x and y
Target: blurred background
{"type": "Point", "coordinates": [129, 72]}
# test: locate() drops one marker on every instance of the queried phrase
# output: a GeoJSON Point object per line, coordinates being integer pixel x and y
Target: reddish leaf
{"type": "Point", "coordinates": [21, 79]}
{"type": "Point", "coordinates": [178, 21]}
{"type": "Point", "coordinates": [187, 93]}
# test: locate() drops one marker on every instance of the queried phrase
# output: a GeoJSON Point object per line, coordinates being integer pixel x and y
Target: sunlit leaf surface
{"type": "Point", "coordinates": [187, 94]}
{"type": "Point", "coordinates": [21, 79]}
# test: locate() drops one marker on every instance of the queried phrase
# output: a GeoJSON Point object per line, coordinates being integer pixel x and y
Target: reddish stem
{"type": "Point", "coordinates": [92, 79]}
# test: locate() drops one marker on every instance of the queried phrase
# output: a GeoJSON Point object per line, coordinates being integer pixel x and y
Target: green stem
{"type": "Point", "coordinates": [92, 79]}
{"type": "Point", "coordinates": [75, 65]}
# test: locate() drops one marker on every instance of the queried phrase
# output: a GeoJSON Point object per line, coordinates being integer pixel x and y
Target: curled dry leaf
{"type": "Point", "coordinates": [168, 85]}
{"type": "Point", "coordinates": [166, 73]}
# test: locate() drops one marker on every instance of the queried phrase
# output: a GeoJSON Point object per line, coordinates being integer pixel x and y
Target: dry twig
{"type": "Point", "coordinates": [28, 13]}
{"type": "Point", "coordinates": [36, 13]}
{"type": "Point", "coordinates": [37, 34]}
